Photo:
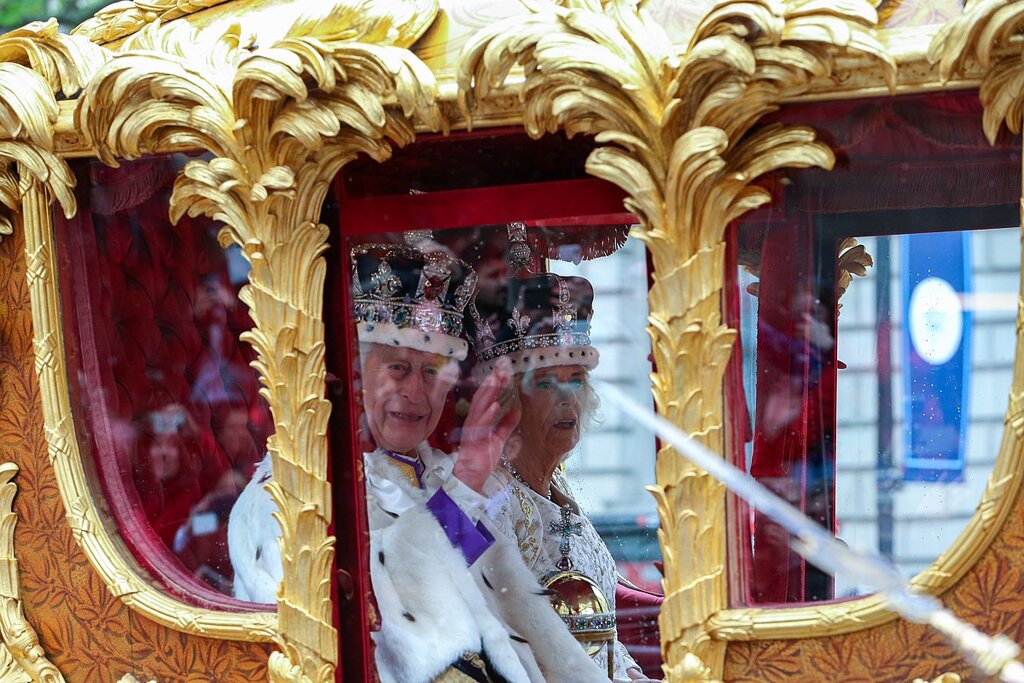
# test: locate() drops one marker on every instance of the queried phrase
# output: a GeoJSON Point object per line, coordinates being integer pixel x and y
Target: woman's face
{"type": "Point", "coordinates": [552, 402]}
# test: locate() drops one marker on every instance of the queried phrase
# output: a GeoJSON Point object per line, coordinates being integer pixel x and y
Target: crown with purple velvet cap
{"type": "Point", "coordinates": [548, 325]}
{"type": "Point", "coordinates": [404, 297]}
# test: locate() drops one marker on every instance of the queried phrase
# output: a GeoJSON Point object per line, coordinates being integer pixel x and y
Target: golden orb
{"type": "Point", "coordinates": [584, 609]}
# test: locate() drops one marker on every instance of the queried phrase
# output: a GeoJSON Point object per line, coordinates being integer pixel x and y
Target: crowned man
{"type": "Point", "coordinates": [456, 601]}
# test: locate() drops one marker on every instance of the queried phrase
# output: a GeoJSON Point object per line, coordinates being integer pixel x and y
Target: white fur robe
{"type": "Point", "coordinates": [434, 608]}
{"type": "Point", "coordinates": [252, 540]}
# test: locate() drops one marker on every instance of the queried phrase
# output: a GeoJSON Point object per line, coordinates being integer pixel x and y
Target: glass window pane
{"type": "Point", "coordinates": [164, 399]}
{"type": "Point", "coordinates": [550, 308]}
{"type": "Point", "coordinates": [929, 361]}
{"type": "Point", "coordinates": [876, 316]}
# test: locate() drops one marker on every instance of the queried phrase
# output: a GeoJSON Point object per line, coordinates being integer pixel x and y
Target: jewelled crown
{"type": "Point", "coordinates": [546, 324]}
{"type": "Point", "coordinates": [403, 297]}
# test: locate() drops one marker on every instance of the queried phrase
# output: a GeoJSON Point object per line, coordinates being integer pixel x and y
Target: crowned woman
{"type": "Point", "coordinates": [545, 340]}
{"type": "Point", "coordinates": [456, 602]}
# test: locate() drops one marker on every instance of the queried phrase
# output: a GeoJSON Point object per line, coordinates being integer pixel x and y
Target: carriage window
{"type": "Point", "coordinates": [928, 359]}
{"type": "Point", "coordinates": [480, 357]}
{"type": "Point", "coordinates": [164, 399]}
{"type": "Point", "coordinates": [876, 311]}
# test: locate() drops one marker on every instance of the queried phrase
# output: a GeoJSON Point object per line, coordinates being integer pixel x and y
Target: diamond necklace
{"type": "Point", "coordinates": [507, 464]}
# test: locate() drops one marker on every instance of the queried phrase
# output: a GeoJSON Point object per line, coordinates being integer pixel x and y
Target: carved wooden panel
{"type": "Point", "coordinates": [990, 596]}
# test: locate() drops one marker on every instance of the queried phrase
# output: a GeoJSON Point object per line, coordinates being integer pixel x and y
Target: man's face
{"type": "Point", "coordinates": [492, 284]}
{"type": "Point", "coordinates": [403, 394]}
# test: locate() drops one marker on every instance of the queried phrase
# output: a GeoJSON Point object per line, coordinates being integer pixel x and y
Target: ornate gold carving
{"type": "Point", "coordinates": [10, 671]}
{"type": "Point", "coordinates": [853, 260]}
{"type": "Point", "coordinates": [280, 122]}
{"type": "Point", "coordinates": [128, 678]}
{"type": "Point", "coordinates": [676, 134]}
{"type": "Point", "coordinates": [35, 62]}
{"type": "Point", "coordinates": [989, 34]}
{"type": "Point", "coordinates": [948, 677]}
{"type": "Point", "coordinates": [100, 541]}
{"type": "Point", "coordinates": [123, 18]}
{"type": "Point", "coordinates": [19, 639]}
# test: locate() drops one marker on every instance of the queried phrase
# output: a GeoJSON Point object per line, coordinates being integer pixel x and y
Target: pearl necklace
{"type": "Point", "coordinates": [507, 464]}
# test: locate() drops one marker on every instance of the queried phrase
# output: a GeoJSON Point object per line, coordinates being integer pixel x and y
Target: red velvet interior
{"type": "Point", "coordinates": [152, 324]}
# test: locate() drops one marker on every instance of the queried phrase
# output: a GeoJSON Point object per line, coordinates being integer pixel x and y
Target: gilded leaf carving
{"type": "Point", "coordinates": [9, 669]}
{"type": "Point", "coordinates": [120, 19]}
{"type": "Point", "coordinates": [853, 260]}
{"type": "Point", "coordinates": [36, 62]}
{"type": "Point", "coordinates": [279, 122]}
{"type": "Point", "coordinates": [675, 131]}
{"type": "Point", "coordinates": [988, 32]}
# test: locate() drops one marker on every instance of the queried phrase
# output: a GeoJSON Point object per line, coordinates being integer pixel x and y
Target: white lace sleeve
{"type": "Point", "coordinates": [623, 661]}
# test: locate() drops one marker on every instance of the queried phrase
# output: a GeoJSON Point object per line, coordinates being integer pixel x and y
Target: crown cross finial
{"type": "Point", "coordinates": [519, 254]}
{"type": "Point", "coordinates": [384, 283]}
{"type": "Point", "coordinates": [464, 292]}
{"type": "Point", "coordinates": [484, 333]}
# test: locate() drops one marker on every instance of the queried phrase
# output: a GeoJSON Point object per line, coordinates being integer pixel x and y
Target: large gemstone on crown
{"type": "Point", "coordinates": [432, 287]}
{"type": "Point", "coordinates": [584, 609]}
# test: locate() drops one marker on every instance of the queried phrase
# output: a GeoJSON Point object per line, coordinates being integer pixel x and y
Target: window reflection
{"type": "Point", "coordinates": [879, 398]}
{"type": "Point", "coordinates": [927, 377]}
{"type": "Point", "coordinates": [465, 449]}
{"type": "Point", "coordinates": [164, 397]}
{"type": "Point", "coordinates": [821, 406]}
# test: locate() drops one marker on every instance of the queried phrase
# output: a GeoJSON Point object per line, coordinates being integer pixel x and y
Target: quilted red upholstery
{"type": "Point", "coordinates": [164, 384]}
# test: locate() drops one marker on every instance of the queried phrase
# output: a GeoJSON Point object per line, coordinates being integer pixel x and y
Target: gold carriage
{"type": "Point", "coordinates": [178, 180]}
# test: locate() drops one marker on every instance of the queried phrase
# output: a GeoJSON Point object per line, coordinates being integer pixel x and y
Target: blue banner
{"type": "Point", "coordinates": [936, 274]}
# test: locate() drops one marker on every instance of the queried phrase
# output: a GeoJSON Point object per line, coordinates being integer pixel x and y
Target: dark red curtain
{"type": "Point", "coordinates": [794, 406]}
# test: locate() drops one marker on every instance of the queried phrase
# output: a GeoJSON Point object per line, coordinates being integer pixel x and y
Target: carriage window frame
{"type": "Point", "coordinates": [550, 202]}
{"type": "Point", "coordinates": [828, 232]}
